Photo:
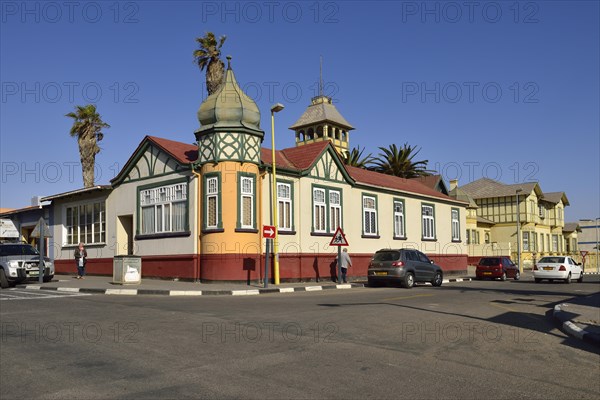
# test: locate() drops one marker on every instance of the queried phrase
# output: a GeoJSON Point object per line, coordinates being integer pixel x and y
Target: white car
{"type": "Point", "coordinates": [557, 267]}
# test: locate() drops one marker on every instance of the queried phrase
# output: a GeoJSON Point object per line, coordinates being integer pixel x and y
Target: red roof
{"type": "Point", "coordinates": [393, 182]}
{"type": "Point", "coordinates": [299, 158]}
{"type": "Point", "coordinates": [184, 153]}
{"type": "Point", "coordinates": [303, 157]}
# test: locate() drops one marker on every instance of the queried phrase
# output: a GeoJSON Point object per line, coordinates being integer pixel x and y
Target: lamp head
{"type": "Point", "coordinates": [277, 107]}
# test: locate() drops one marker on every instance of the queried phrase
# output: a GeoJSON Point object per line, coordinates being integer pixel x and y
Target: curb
{"type": "Point", "coordinates": [572, 329]}
{"type": "Point", "coordinates": [191, 293]}
{"type": "Point", "coordinates": [242, 292]}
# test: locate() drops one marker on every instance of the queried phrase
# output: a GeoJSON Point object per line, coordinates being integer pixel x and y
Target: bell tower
{"type": "Point", "coordinates": [322, 121]}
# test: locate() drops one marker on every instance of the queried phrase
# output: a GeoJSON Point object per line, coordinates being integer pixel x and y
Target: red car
{"type": "Point", "coordinates": [497, 267]}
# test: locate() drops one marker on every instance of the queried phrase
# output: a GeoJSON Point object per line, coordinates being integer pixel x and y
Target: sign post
{"type": "Point", "coordinates": [41, 231]}
{"type": "Point", "coordinates": [339, 240]}
{"type": "Point", "coordinates": [268, 232]}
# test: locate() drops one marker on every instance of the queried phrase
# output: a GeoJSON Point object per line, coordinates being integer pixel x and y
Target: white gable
{"type": "Point", "coordinates": [327, 169]}
{"type": "Point", "coordinates": [152, 162]}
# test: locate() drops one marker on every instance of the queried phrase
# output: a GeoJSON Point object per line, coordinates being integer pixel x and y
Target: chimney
{"type": "Point", "coordinates": [453, 184]}
{"type": "Point", "coordinates": [35, 201]}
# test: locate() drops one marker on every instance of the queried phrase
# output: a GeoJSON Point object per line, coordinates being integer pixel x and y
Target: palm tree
{"type": "Point", "coordinates": [87, 127]}
{"type": "Point", "coordinates": [399, 162]}
{"type": "Point", "coordinates": [208, 56]}
{"type": "Point", "coordinates": [355, 158]}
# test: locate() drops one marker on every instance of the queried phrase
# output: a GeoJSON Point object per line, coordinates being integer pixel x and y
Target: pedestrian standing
{"type": "Point", "coordinates": [80, 260]}
{"type": "Point", "coordinates": [345, 263]}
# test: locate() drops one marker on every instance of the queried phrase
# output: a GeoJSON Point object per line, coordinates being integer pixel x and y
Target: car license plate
{"type": "Point", "coordinates": [380, 272]}
{"type": "Point", "coordinates": [487, 273]}
{"type": "Point", "coordinates": [34, 273]}
{"type": "Point", "coordinates": [548, 268]}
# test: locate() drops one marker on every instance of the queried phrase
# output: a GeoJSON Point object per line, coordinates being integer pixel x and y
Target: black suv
{"type": "Point", "coordinates": [19, 262]}
{"type": "Point", "coordinates": [404, 266]}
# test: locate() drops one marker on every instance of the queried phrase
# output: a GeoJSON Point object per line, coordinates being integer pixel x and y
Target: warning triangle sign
{"type": "Point", "coordinates": [338, 239]}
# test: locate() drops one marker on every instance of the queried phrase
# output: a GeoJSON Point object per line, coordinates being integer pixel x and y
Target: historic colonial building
{"type": "Point", "coordinates": [495, 209]}
{"type": "Point", "coordinates": [195, 211]}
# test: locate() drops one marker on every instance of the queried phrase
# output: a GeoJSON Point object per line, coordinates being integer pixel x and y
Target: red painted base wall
{"type": "Point", "coordinates": [250, 268]}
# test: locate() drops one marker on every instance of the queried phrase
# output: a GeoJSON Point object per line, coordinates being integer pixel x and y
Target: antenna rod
{"type": "Point", "coordinates": [321, 77]}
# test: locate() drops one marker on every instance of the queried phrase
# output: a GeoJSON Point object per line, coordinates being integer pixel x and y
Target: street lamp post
{"type": "Point", "coordinates": [275, 108]}
{"type": "Point", "coordinates": [597, 249]}
{"type": "Point", "coordinates": [519, 232]}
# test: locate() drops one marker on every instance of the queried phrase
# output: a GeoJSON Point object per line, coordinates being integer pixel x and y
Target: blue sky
{"type": "Point", "coordinates": [500, 89]}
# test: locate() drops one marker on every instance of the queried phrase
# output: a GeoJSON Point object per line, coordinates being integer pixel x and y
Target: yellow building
{"type": "Point", "coordinates": [493, 212]}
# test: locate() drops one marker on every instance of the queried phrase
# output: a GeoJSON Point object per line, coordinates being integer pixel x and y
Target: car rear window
{"type": "Point", "coordinates": [387, 255]}
{"type": "Point", "coordinates": [552, 260]}
{"type": "Point", "coordinates": [489, 261]}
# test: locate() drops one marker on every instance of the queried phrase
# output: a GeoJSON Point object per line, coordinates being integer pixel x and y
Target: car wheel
{"type": "Point", "coordinates": [517, 276]}
{"type": "Point", "coordinates": [503, 277]}
{"type": "Point", "coordinates": [48, 278]}
{"type": "Point", "coordinates": [580, 279]}
{"type": "Point", "coordinates": [568, 280]}
{"type": "Point", "coordinates": [437, 279]}
{"type": "Point", "coordinates": [3, 280]}
{"type": "Point", "coordinates": [408, 281]}
{"type": "Point", "coordinates": [537, 280]}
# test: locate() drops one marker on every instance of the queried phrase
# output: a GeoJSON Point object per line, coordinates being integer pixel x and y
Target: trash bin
{"type": "Point", "coordinates": [127, 270]}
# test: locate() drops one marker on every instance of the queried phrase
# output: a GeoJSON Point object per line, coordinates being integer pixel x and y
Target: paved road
{"type": "Point", "coordinates": [463, 340]}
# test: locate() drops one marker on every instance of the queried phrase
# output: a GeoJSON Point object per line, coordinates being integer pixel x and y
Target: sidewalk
{"type": "Point", "coordinates": [580, 318]}
{"type": "Point", "coordinates": [104, 285]}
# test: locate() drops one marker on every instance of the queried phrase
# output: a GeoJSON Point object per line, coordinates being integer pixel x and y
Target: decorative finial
{"type": "Point", "coordinates": [228, 62]}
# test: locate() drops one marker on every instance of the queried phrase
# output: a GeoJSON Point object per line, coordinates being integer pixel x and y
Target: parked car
{"type": "Point", "coordinates": [403, 266]}
{"type": "Point", "coordinates": [557, 267]}
{"type": "Point", "coordinates": [497, 267]}
{"type": "Point", "coordinates": [20, 262]}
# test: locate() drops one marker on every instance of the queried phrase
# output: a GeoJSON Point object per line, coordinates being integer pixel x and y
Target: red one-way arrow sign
{"type": "Point", "coordinates": [269, 231]}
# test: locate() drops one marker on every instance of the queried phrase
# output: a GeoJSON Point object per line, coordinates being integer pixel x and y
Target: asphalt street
{"type": "Point", "coordinates": [467, 340]}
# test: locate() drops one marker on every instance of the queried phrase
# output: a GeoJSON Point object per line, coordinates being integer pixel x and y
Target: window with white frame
{"type": "Point", "coordinates": [541, 211]}
{"type": "Point", "coordinates": [455, 225]}
{"type": "Point", "coordinates": [369, 215]}
{"type": "Point", "coordinates": [399, 231]}
{"type": "Point", "coordinates": [428, 222]}
{"type": "Point", "coordinates": [284, 206]}
{"type": "Point", "coordinates": [335, 210]}
{"type": "Point", "coordinates": [319, 219]}
{"type": "Point", "coordinates": [533, 244]}
{"type": "Point", "coordinates": [525, 241]}
{"type": "Point", "coordinates": [212, 202]}
{"type": "Point", "coordinates": [247, 202]}
{"type": "Point", "coordinates": [554, 242]}
{"type": "Point", "coordinates": [86, 223]}
{"type": "Point", "coordinates": [163, 209]}
{"type": "Point", "coordinates": [487, 238]}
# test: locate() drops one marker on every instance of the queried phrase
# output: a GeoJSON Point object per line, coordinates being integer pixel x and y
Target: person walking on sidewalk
{"type": "Point", "coordinates": [345, 263]}
{"type": "Point", "coordinates": [80, 260]}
